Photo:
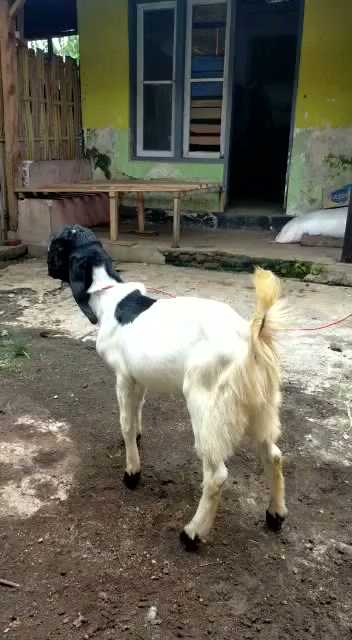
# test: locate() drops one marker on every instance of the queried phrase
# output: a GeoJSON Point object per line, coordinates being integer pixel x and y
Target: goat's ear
{"type": "Point", "coordinates": [58, 259]}
{"type": "Point", "coordinates": [80, 281]}
{"type": "Point", "coordinates": [113, 273]}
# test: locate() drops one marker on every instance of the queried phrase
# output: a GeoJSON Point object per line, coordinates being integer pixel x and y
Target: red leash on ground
{"type": "Point", "coordinates": [324, 326]}
{"type": "Point", "coordinates": [319, 328]}
{"type": "Point", "coordinates": [164, 293]}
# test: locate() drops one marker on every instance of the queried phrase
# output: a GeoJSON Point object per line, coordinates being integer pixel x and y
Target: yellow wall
{"type": "Point", "coordinates": [103, 29]}
{"type": "Point", "coordinates": [325, 79]}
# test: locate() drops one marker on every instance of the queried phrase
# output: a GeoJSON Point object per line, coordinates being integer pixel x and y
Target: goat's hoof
{"type": "Point", "coordinates": [131, 480]}
{"type": "Point", "coordinates": [274, 521]}
{"type": "Point", "coordinates": [187, 542]}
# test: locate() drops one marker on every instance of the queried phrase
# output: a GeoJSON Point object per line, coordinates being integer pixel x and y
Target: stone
{"type": "Point", "coordinates": [335, 347]}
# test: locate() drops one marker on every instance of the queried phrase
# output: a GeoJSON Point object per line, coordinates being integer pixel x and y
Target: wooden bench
{"type": "Point", "coordinates": [116, 189]}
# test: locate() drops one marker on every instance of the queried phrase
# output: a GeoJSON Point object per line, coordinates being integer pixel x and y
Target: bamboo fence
{"type": "Point", "coordinates": [50, 126]}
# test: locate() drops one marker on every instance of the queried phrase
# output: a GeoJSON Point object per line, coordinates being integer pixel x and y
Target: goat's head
{"type": "Point", "coordinates": [63, 244]}
{"type": "Point", "coordinates": [73, 253]}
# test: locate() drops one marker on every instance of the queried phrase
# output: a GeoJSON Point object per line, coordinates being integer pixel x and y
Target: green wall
{"type": "Point", "coordinates": [322, 144]}
{"type": "Point", "coordinates": [103, 29]}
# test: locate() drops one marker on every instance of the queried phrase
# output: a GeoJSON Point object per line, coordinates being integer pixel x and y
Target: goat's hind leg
{"type": "Point", "coordinates": [214, 470]}
{"type": "Point", "coordinates": [139, 401]}
{"type": "Point", "coordinates": [265, 430]}
{"type": "Point", "coordinates": [272, 460]}
{"type": "Point", "coordinates": [127, 396]}
{"type": "Point", "coordinates": [199, 527]}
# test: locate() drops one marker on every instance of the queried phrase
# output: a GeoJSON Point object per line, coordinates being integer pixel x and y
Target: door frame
{"type": "Point", "coordinates": [294, 98]}
{"type": "Point", "coordinates": [231, 96]}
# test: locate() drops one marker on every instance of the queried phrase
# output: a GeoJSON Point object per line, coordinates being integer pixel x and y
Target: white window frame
{"type": "Point", "coordinates": [141, 8]}
{"type": "Point", "coordinates": [188, 82]}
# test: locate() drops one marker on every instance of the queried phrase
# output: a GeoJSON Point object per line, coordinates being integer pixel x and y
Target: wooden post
{"type": "Point", "coordinates": [50, 48]}
{"type": "Point", "coordinates": [140, 212]}
{"type": "Point", "coordinates": [347, 243]}
{"type": "Point", "coordinates": [3, 222]}
{"type": "Point", "coordinates": [16, 6]}
{"type": "Point", "coordinates": [177, 222]}
{"type": "Point", "coordinates": [8, 55]}
{"type": "Point", "coordinates": [114, 204]}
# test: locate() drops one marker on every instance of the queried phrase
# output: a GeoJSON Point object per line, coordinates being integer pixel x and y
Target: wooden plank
{"type": "Point", "coordinates": [205, 128]}
{"type": "Point", "coordinates": [77, 190]}
{"type": "Point", "coordinates": [347, 243]}
{"type": "Point", "coordinates": [8, 57]}
{"type": "Point", "coordinates": [206, 114]}
{"type": "Point", "coordinates": [140, 212]}
{"type": "Point", "coordinates": [208, 141]}
{"type": "Point", "coordinates": [114, 206]}
{"type": "Point", "coordinates": [206, 103]}
{"type": "Point", "coordinates": [122, 187]}
{"type": "Point", "coordinates": [176, 223]}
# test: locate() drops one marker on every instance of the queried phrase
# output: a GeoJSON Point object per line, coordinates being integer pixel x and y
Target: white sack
{"type": "Point", "coordinates": [325, 222]}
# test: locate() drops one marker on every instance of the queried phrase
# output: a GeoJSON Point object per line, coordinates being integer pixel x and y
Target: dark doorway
{"type": "Point", "coordinates": [264, 71]}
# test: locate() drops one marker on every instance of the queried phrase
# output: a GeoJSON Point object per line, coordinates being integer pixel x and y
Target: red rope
{"type": "Point", "coordinates": [319, 328]}
{"type": "Point", "coordinates": [324, 326]}
{"type": "Point", "coordinates": [164, 293]}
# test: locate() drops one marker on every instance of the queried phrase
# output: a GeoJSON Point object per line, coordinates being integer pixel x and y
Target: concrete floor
{"type": "Point", "coordinates": [258, 244]}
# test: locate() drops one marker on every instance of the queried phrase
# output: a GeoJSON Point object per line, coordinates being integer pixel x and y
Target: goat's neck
{"type": "Point", "coordinates": [101, 286]}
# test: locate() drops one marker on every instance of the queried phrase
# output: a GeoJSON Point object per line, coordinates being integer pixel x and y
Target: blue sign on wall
{"type": "Point", "coordinates": [341, 196]}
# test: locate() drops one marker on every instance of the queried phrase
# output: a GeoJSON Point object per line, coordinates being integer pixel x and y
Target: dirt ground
{"type": "Point", "coordinates": [92, 558]}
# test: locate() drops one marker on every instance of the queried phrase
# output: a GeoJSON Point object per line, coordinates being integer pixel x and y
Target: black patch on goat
{"type": "Point", "coordinates": [130, 307]}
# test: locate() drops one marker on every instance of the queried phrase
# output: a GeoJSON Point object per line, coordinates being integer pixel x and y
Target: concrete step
{"type": "Point", "coordinates": [12, 252]}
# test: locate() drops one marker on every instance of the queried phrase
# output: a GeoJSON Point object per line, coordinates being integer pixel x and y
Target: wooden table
{"type": "Point", "coordinates": [116, 189]}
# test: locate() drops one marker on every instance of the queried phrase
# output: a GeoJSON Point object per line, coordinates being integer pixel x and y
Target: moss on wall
{"type": "Point", "coordinates": [321, 160]}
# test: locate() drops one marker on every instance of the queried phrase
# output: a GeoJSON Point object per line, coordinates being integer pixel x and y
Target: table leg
{"type": "Point", "coordinates": [140, 212]}
{"type": "Point", "coordinates": [114, 215]}
{"type": "Point", "coordinates": [177, 222]}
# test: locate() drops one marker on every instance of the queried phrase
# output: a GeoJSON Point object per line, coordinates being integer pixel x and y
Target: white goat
{"type": "Point", "coordinates": [226, 367]}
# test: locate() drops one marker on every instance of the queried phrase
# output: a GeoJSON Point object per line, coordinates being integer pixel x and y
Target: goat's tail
{"type": "Point", "coordinates": [269, 317]}
{"type": "Point", "coordinates": [270, 313]}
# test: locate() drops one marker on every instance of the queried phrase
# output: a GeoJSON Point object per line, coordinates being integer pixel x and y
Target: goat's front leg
{"type": "Point", "coordinates": [201, 523]}
{"type": "Point", "coordinates": [127, 399]}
